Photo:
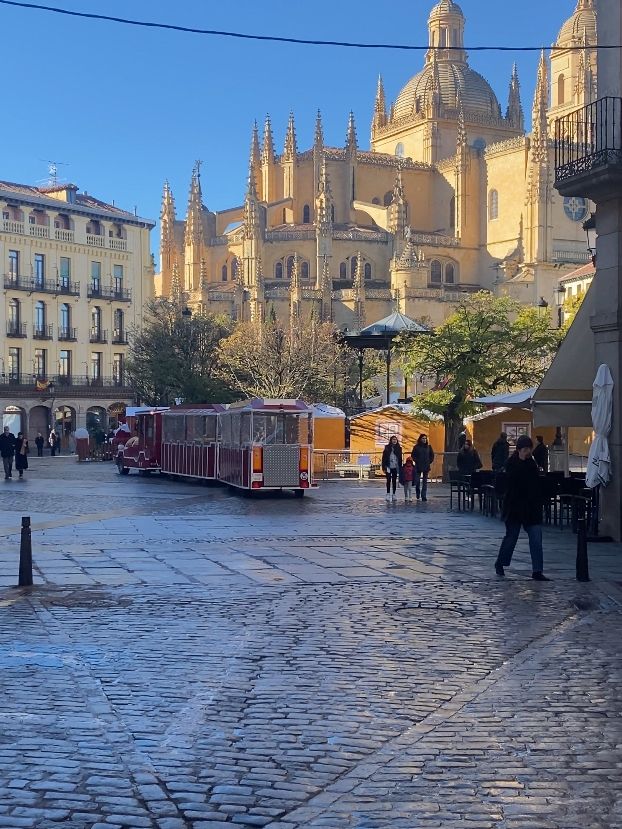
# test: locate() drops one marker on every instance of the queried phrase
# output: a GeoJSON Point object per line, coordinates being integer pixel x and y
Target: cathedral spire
{"type": "Point", "coordinates": [175, 294]}
{"type": "Point", "coordinates": [194, 223]}
{"type": "Point", "coordinates": [359, 291]}
{"type": "Point", "coordinates": [433, 92]}
{"type": "Point", "coordinates": [267, 155]}
{"type": "Point", "coordinates": [515, 115]}
{"type": "Point", "coordinates": [462, 133]}
{"type": "Point", "coordinates": [351, 140]}
{"type": "Point", "coordinates": [324, 202]}
{"type": "Point", "coordinates": [291, 150]}
{"type": "Point", "coordinates": [295, 296]}
{"type": "Point", "coordinates": [540, 112]}
{"type": "Point", "coordinates": [255, 157]}
{"type": "Point", "coordinates": [167, 227]}
{"type": "Point", "coordinates": [380, 109]}
{"type": "Point", "coordinates": [318, 141]}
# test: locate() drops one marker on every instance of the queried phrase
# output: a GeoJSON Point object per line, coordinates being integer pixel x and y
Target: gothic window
{"type": "Point", "coordinates": [278, 271]}
{"type": "Point", "coordinates": [235, 267]}
{"type": "Point", "coordinates": [306, 215]}
{"type": "Point", "coordinates": [493, 205]}
{"type": "Point", "coordinates": [304, 270]}
{"type": "Point", "coordinates": [224, 273]}
{"type": "Point", "coordinates": [561, 90]}
{"type": "Point", "coordinates": [399, 150]}
{"type": "Point", "coordinates": [436, 272]}
{"type": "Point", "coordinates": [452, 213]}
{"type": "Point", "coordinates": [343, 271]}
{"type": "Point", "coordinates": [367, 270]}
{"type": "Point", "coordinates": [375, 200]}
{"type": "Point", "coordinates": [388, 198]}
{"type": "Point", "coordinates": [450, 274]}
{"type": "Point", "coordinates": [290, 266]}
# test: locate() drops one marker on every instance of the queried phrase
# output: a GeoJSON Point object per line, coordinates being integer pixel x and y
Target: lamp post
{"type": "Point", "coordinates": [589, 227]}
{"type": "Point", "coordinates": [560, 298]}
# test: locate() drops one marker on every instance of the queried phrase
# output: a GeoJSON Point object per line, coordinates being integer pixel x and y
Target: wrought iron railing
{"type": "Point", "coordinates": [67, 334]}
{"type": "Point", "coordinates": [16, 329]}
{"type": "Point", "coordinates": [98, 335]}
{"type": "Point", "coordinates": [42, 332]}
{"type": "Point", "coordinates": [588, 138]}
{"type": "Point", "coordinates": [46, 286]}
{"type": "Point", "coordinates": [56, 383]}
{"type": "Point", "coordinates": [109, 292]}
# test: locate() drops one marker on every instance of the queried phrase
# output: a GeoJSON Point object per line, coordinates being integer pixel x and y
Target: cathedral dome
{"type": "Point", "coordinates": [456, 80]}
{"type": "Point", "coordinates": [445, 7]}
{"type": "Point", "coordinates": [581, 24]}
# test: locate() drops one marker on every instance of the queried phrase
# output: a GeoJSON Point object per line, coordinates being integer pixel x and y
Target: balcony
{"type": "Point", "coordinates": [119, 338]}
{"type": "Point", "coordinates": [95, 241]}
{"type": "Point", "coordinates": [117, 244]}
{"type": "Point", "coordinates": [43, 286]}
{"type": "Point", "coordinates": [45, 387]}
{"type": "Point", "coordinates": [62, 235]}
{"type": "Point", "coordinates": [39, 231]}
{"type": "Point", "coordinates": [11, 226]}
{"type": "Point", "coordinates": [98, 336]}
{"type": "Point", "coordinates": [42, 332]}
{"type": "Point", "coordinates": [108, 292]}
{"type": "Point", "coordinates": [67, 334]}
{"type": "Point", "coordinates": [16, 329]}
{"type": "Point", "coordinates": [588, 150]}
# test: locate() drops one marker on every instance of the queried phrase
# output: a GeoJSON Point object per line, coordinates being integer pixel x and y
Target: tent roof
{"type": "Point", "coordinates": [395, 323]}
{"type": "Point", "coordinates": [517, 398]}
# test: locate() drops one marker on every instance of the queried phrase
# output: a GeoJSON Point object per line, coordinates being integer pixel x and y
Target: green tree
{"type": "Point", "coordinates": [176, 355]}
{"type": "Point", "coordinates": [570, 309]}
{"type": "Point", "coordinates": [487, 346]}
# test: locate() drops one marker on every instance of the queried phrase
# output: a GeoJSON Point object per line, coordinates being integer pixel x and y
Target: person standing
{"type": "Point", "coordinates": [500, 453]}
{"type": "Point", "coordinates": [408, 474]}
{"type": "Point", "coordinates": [52, 442]}
{"type": "Point", "coordinates": [392, 465]}
{"type": "Point", "coordinates": [522, 508]}
{"type": "Point", "coordinates": [39, 444]}
{"type": "Point", "coordinates": [21, 453]}
{"type": "Point", "coordinates": [541, 454]}
{"type": "Point", "coordinates": [7, 451]}
{"type": "Point", "coordinates": [468, 460]}
{"type": "Point", "coordinates": [423, 457]}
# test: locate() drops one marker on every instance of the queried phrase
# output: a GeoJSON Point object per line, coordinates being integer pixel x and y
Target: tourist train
{"type": "Point", "coordinates": [255, 445]}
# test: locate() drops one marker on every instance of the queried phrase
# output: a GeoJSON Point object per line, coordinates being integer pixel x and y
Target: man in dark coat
{"type": "Point", "coordinates": [500, 453]}
{"type": "Point", "coordinates": [541, 454]}
{"type": "Point", "coordinates": [522, 508]}
{"type": "Point", "coordinates": [39, 441]}
{"type": "Point", "coordinates": [423, 458]}
{"type": "Point", "coordinates": [468, 460]}
{"type": "Point", "coordinates": [7, 451]}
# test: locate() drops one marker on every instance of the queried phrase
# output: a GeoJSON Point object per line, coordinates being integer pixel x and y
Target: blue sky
{"type": "Point", "coordinates": [124, 108]}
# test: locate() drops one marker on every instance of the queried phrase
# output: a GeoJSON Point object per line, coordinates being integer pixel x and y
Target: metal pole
{"type": "Point", "coordinates": [25, 555]}
{"type": "Point", "coordinates": [388, 373]}
{"type": "Point", "coordinates": [583, 572]}
{"type": "Point", "coordinates": [361, 378]}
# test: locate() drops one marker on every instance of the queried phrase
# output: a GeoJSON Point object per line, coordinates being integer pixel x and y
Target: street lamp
{"type": "Point", "coordinates": [590, 230]}
{"type": "Point", "coordinates": [187, 312]}
{"type": "Point", "coordinates": [560, 298]}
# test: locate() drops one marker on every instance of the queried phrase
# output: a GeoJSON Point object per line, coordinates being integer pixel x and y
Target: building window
{"type": "Point", "coordinates": [40, 318]}
{"type": "Point", "coordinates": [290, 266]}
{"type": "Point", "coordinates": [14, 314]}
{"type": "Point", "coordinates": [306, 215]}
{"type": "Point", "coordinates": [561, 90]}
{"type": "Point", "coordinates": [452, 213]}
{"type": "Point", "coordinates": [343, 271]}
{"type": "Point", "coordinates": [388, 198]}
{"type": "Point", "coordinates": [118, 369]}
{"type": "Point", "coordinates": [96, 365]}
{"type": "Point", "coordinates": [96, 322]}
{"type": "Point", "coordinates": [450, 274]}
{"type": "Point", "coordinates": [64, 363]}
{"type": "Point", "coordinates": [119, 325]}
{"type": "Point", "coordinates": [65, 271]}
{"type": "Point", "coordinates": [224, 274]}
{"type": "Point", "coordinates": [493, 205]}
{"type": "Point", "coordinates": [278, 270]}
{"type": "Point", "coordinates": [353, 268]}
{"type": "Point", "coordinates": [39, 270]}
{"type": "Point", "coordinates": [15, 363]}
{"type": "Point", "coordinates": [304, 270]}
{"type": "Point", "coordinates": [117, 273]}
{"type": "Point", "coordinates": [65, 320]}
{"type": "Point", "coordinates": [40, 363]}
{"type": "Point", "coordinates": [96, 277]}
{"type": "Point", "coordinates": [367, 270]}
{"type": "Point", "coordinates": [436, 272]}
{"type": "Point", "coordinates": [14, 265]}
{"type": "Point", "coordinates": [399, 150]}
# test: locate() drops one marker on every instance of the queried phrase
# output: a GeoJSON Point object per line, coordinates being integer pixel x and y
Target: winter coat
{"type": "Point", "coordinates": [423, 456]}
{"type": "Point", "coordinates": [39, 442]}
{"type": "Point", "coordinates": [499, 454]}
{"type": "Point", "coordinates": [7, 445]}
{"type": "Point", "coordinates": [541, 456]}
{"type": "Point", "coordinates": [468, 461]}
{"type": "Point", "coordinates": [408, 473]}
{"type": "Point", "coordinates": [523, 496]}
{"type": "Point", "coordinates": [387, 454]}
{"type": "Point", "coordinates": [21, 458]}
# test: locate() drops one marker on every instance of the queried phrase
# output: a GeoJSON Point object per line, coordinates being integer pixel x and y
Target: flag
{"type": "Point", "coordinates": [42, 385]}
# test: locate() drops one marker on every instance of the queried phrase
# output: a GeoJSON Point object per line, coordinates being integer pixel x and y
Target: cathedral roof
{"type": "Point", "coordinates": [457, 80]}
{"type": "Point", "coordinates": [445, 7]}
{"type": "Point", "coordinates": [581, 24]}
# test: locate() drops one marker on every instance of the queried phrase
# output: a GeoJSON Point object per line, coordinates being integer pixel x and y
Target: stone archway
{"type": "Point", "coordinates": [38, 421]}
{"type": "Point", "coordinates": [15, 418]}
{"type": "Point", "coordinates": [64, 422]}
{"type": "Point", "coordinates": [115, 412]}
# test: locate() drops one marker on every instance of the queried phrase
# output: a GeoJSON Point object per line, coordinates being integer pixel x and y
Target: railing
{"type": "Point", "coordinates": [10, 226]}
{"type": "Point", "coordinates": [348, 464]}
{"type": "Point", "coordinates": [63, 235]}
{"type": "Point", "coordinates": [109, 292]}
{"type": "Point", "coordinates": [67, 334]}
{"type": "Point", "coordinates": [98, 336]}
{"type": "Point", "coordinates": [571, 256]}
{"type": "Point", "coordinates": [16, 329]}
{"type": "Point", "coordinates": [119, 338]}
{"type": "Point", "coordinates": [588, 138]}
{"type": "Point", "coordinates": [42, 332]}
{"type": "Point", "coordinates": [117, 244]}
{"type": "Point", "coordinates": [39, 231]}
{"type": "Point", "coordinates": [54, 384]}
{"type": "Point", "coordinates": [95, 240]}
{"type": "Point", "coordinates": [46, 286]}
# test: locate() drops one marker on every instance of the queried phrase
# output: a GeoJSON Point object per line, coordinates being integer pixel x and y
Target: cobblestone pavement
{"type": "Point", "coordinates": [193, 658]}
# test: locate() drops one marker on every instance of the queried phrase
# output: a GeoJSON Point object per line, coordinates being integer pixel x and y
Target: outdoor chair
{"type": "Point", "coordinates": [459, 485]}
{"type": "Point", "coordinates": [550, 495]}
{"type": "Point", "coordinates": [571, 491]}
{"type": "Point", "coordinates": [478, 481]}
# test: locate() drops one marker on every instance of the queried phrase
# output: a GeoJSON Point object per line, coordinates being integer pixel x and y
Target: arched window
{"type": "Point", "coordinates": [306, 215]}
{"type": "Point", "coordinates": [224, 274]}
{"type": "Point", "coordinates": [493, 205]}
{"type": "Point", "coordinates": [388, 198]}
{"type": "Point", "coordinates": [40, 317]}
{"type": "Point", "coordinates": [119, 324]}
{"type": "Point", "coordinates": [452, 213]}
{"type": "Point", "coordinates": [436, 272]}
{"type": "Point", "coordinates": [65, 317]}
{"type": "Point", "coordinates": [561, 90]}
{"type": "Point", "coordinates": [450, 274]}
{"type": "Point", "coordinates": [367, 270]}
{"type": "Point", "coordinates": [353, 263]}
{"type": "Point", "coordinates": [375, 200]}
{"type": "Point", "coordinates": [304, 270]}
{"type": "Point", "coordinates": [290, 266]}
{"type": "Point", "coordinates": [399, 150]}
{"type": "Point", "coordinates": [343, 271]}
{"type": "Point", "coordinates": [278, 270]}
{"type": "Point", "coordinates": [96, 321]}
{"type": "Point", "coordinates": [235, 267]}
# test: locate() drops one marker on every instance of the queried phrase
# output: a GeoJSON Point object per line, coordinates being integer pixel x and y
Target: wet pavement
{"type": "Point", "coordinates": [189, 657]}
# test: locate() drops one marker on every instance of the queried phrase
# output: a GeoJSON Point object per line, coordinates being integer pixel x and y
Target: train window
{"type": "Point", "coordinates": [268, 429]}
{"type": "Point", "coordinates": [209, 429]}
{"type": "Point", "coordinates": [235, 429]}
{"type": "Point", "coordinates": [225, 430]}
{"type": "Point", "coordinates": [292, 429]}
{"type": "Point", "coordinates": [193, 428]}
{"type": "Point", "coordinates": [174, 429]}
{"type": "Point", "coordinates": [245, 429]}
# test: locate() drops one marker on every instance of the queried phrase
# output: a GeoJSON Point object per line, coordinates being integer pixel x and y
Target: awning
{"type": "Point", "coordinates": [521, 399]}
{"type": "Point", "coordinates": [564, 397]}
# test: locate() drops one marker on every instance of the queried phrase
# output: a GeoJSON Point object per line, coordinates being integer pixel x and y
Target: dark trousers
{"type": "Point", "coordinates": [421, 485]}
{"type": "Point", "coordinates": [39, 451]}
{"type": "Point", "coordinates": [391, 480]}
{"type": "Point", "coordinates": [512, 532]}
{"type": "Point", "coordinates": [8, 466]}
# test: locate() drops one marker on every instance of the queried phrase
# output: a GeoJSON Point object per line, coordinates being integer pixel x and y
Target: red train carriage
{"type": "Point", "coordinates": [266, 445]}
{"type": "Point", "coordinates": [143, 449]}
{"type": "Point", "coordinates": [189, 441]}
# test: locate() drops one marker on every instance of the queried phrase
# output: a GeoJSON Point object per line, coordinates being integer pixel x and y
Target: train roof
{"type": "Point", "coordinates": [197, 409]}
{"type": "Point", "coordinates": [264, 404]}
{"type": "Point", "coordinates": [132, 411]}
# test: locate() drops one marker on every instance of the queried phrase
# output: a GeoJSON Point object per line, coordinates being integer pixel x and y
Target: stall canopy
{"type": "Point", "coordinates": [510, 400]}
{"type": "Point", "coordinates": [564, 397]}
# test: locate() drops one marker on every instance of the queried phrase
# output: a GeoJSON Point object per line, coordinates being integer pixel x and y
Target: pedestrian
{"type": "Point", "coordinates": [21, 453]}
{"type": "Point", "coordinates": [522, 507]}
{"type": "Point", "coordinates": [39, 444]}
{"type": "Point", "coordinates": [52, 442]}
{"type": "Point", "coordinates": [468, 460]}
{"type": "Point", "coordinates": [423, 457]}
{"type": "Point", "coordinates": [392, 465]}
{"type": "Point", "coordinates": [408, 475]}
{"type": "Point", "coordinates": [541, 454]}
{"type": "Point", "coordinates": [7, 451]}
{"type": "Point", "coordinates": [500, 452]}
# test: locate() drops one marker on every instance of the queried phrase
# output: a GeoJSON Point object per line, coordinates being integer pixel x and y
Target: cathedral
{"type": "Point", "coordinates": [452, 197]}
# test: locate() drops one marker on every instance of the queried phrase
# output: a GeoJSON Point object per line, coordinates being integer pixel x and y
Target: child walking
{"type": "Point", "coordinates": [408, 474]}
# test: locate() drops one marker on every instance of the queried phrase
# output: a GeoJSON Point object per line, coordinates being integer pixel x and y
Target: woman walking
{"type": "Point", "coordinates": [21, 453]}
{"type": "Point", "coordinates": [423, 457]}
{"type": "Point", "coordinates": [392, 466]}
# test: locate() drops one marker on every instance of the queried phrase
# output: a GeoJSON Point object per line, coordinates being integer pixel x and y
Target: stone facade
{"type": "Point", "coordinates": [452, 197]}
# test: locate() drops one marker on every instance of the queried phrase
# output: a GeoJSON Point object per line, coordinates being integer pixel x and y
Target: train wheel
{"type": "Point", "coordinates": [299, 493]}
{"type": "Point", "coordinates": [123, 470]}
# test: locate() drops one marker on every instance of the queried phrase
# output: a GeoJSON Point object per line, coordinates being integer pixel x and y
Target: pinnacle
{"type": "Point", "coordinates": [319, 130]}
{"type": "Point", "coordinates": [351, 140]}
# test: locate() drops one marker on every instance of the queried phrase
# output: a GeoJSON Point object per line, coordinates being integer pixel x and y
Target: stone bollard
{"type": "Point", "coordinates": [25, 555]}
{"type": "Point", "coordinates": [583, 572]}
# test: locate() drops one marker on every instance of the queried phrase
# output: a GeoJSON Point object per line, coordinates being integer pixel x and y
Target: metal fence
{"type": "Point", "coordinates": [348, 465]}
{"type": "Point", "coordinates": [588, 138]}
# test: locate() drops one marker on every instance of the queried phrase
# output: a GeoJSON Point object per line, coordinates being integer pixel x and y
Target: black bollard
{"type": "Point", "coordinates": [25, 555]}
{"type": "Point", "coordinates": [583, 571]}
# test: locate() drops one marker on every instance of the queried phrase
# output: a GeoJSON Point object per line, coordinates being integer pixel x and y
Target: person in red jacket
{"type": "Point", "coordinates": [408, 475]}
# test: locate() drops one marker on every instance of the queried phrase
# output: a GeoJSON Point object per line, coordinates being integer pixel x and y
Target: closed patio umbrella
{"type": "Point", "coordinates": [599, 460]}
